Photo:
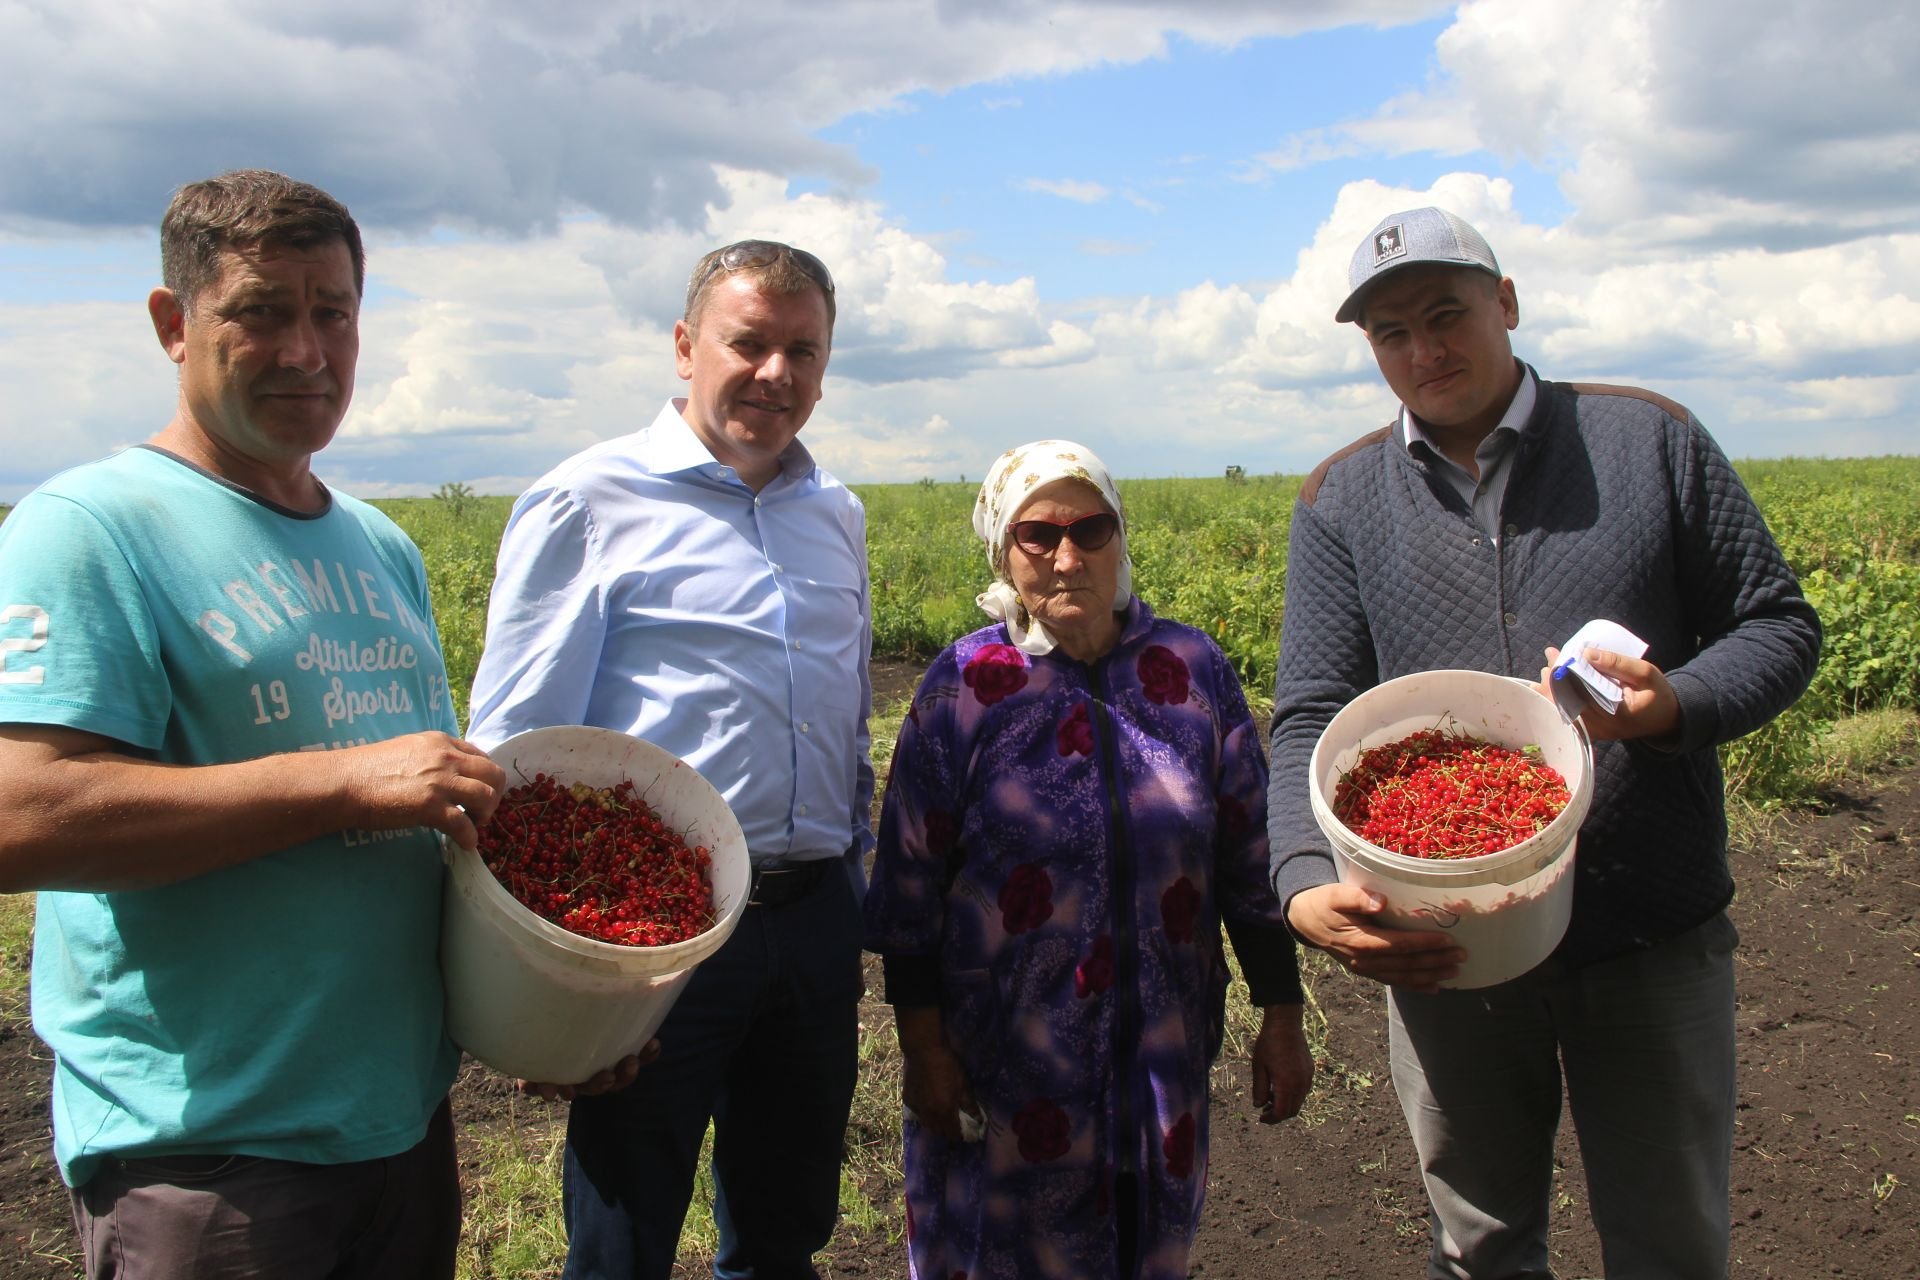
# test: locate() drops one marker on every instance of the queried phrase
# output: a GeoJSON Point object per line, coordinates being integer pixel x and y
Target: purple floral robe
{"type": "Point", "coordinates": [1060, 841]}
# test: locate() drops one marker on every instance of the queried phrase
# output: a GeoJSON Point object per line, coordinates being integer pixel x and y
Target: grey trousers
{"type": "Point", "coordinates": [231, 1217]}
{"type": "Point", "coordinates": [1645, 1045]}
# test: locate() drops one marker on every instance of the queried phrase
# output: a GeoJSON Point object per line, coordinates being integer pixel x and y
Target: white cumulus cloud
{"type": "Point", "coordinates": [1674, 122]}
{"type": "Point", "coordinates": [491, 113]}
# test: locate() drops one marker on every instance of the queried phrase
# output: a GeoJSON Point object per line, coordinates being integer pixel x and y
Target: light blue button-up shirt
{"type": "Point", "coordinates": [643, 586]}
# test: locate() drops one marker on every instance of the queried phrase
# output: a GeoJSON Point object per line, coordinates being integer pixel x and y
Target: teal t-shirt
{"type": "Point", "coordinates": [289, 1006]}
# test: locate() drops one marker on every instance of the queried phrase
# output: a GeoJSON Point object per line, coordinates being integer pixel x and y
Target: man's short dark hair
{"type": "Point", "coordinates": [247, 207]}
{"type": "Point", "coordinates": [772, 266]}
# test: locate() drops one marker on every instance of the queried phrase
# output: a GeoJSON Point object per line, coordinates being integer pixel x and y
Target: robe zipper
{"type": "Point", "coordinates": [1126, 960]}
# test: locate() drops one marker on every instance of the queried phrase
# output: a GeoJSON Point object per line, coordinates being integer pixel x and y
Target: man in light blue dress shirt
{"type": "Point", "coordinates": [702, 584]}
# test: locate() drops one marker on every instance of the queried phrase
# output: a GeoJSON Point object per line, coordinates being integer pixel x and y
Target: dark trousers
{"type": "Point", "coordinates": [764, 1042]}
{"type": "Point", "coordinates": [214, 1217]}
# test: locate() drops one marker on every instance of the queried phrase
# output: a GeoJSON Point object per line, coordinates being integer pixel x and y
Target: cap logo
{"type": "Point", "coordinates": [1388, 243]}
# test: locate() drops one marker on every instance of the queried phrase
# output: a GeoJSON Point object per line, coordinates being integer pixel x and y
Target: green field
{"type": "Point", "coordinates": [1213, 553]}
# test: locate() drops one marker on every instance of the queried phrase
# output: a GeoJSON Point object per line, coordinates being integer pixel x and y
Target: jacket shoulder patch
{"type": "Point", "coordinates": [1311, 489]}
{"type": "Point", "coordinates": [1672, 408]}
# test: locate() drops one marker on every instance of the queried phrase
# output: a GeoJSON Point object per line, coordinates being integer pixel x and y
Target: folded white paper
{"type": "Point", "coordinates": [1574, 679]}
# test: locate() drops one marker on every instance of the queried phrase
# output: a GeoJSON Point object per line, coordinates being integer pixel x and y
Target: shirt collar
{"type": "Point", "coordinates": [676, 448]}
{"type": "Point", "coordinates": [1519, 410]}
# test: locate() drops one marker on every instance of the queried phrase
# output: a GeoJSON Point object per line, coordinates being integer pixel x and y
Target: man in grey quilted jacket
{"type": "Point", "coordinates": [1496, 514]}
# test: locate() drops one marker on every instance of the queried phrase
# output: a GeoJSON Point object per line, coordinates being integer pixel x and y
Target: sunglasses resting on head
{"type": "Point", "coordinates": [763, 253]}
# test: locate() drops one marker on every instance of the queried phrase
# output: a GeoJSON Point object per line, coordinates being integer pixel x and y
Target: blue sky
{"type": "Point", "coordinates": [1166, 141]}
{"type": "Point", "coordinates": [1122, 221]}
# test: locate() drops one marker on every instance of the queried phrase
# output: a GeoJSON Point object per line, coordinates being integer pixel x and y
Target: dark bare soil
{"type": "Point", "coordinates": [1826, 1162]}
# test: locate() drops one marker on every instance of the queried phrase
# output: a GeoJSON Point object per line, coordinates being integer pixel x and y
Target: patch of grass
{"type": "Point", "coordinates": [16, 952]}
{"type": "Point", "coordinates": [57, 1248]}
{"type": "Point", "coordinates": [1396, 1209]}
{"type": "Point", "coordinates": [512, 1227]}
{"type": "Point", "coordinates": [859, 1214]}
{"type": "Point", "coordinates": [1793, 865]}
{"type": "Point", "coordinates": [1749, 826]}
{"type": "Point", "coordinates": [1870, 741]}
{"type": "Point", "coordinates": [699, 1236]}
{"type": "Point", "coordinates": [1848, 750]}
{"type": "Point", "coordinates": [884, 725]}
{"type": "Point", "coordinates": [874, 1158]}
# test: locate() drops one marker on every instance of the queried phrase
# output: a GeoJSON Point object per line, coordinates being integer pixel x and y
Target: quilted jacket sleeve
{"type": "Point", "coordinates": [1759, 638]}
{"type": "Point", "coordinates": [1326, 660]}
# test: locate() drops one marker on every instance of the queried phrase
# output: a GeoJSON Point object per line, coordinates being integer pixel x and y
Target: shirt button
{"type": "Point", "coordinates": [802, 811]}
{"type": "Point", "coordinates": [805, 727]}
{"type": "Point", "coordinates": [797, 644]}
{"type": "Point", "coordinates": [1511, 619]}
{"type": "Point", "coordinates": [1513, 530]}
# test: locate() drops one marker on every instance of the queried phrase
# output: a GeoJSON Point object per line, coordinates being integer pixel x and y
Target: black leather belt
{"type": "Point", "coordinates": [778, 884]}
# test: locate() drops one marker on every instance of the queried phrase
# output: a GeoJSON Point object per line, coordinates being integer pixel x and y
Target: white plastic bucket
{"type": "Point", "coordinates": [1507, 909]}
{"type": "Point", "coordinates": [537, 1002]}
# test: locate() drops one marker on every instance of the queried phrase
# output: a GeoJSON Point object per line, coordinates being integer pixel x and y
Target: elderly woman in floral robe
{"type": "Point", "coordinates": [1074, 811]}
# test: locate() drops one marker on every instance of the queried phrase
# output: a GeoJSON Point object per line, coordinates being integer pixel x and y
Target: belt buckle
{"type": "Point", "coordinates": [759, 878]}
{"type": "Point", "coordinates": [777, 885]}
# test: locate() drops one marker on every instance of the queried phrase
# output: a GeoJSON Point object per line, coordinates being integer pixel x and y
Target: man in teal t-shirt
{"type": "Point", "coordinates": [226, 745]}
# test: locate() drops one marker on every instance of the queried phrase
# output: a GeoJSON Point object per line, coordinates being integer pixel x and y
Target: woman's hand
{"type": "Point", "coordinates": [933, 1084]}
{"type": "Point", "coordinates": [1282, 1064]}
{"type": "Point", "coordinates": [934, 1087]}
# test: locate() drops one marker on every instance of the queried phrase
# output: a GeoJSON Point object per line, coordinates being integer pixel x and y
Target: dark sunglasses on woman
{"type": "Point", "coordinates": [1042, 537]}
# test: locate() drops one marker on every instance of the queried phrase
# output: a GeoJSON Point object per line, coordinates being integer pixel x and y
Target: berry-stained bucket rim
{"type": "Point", "coordinates": [539, 1002]}
{"type": "Point", "coordinates": [604, 758]}
{"type": "Point", "coordinates": [1479, 703]}
{"type": "Point", "coordinates": [1507, 909]}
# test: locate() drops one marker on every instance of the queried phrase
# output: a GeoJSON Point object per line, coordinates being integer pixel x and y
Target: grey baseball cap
{"type": "Point", "coordinates": [1407, 239]}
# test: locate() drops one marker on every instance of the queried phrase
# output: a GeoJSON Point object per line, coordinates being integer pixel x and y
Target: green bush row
{"type": "Point", "coordinates": [1212, 552]}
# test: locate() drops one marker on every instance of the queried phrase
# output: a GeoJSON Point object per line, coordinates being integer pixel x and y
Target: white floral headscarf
{"type": "Point", "coordinates": [1014, 477]}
